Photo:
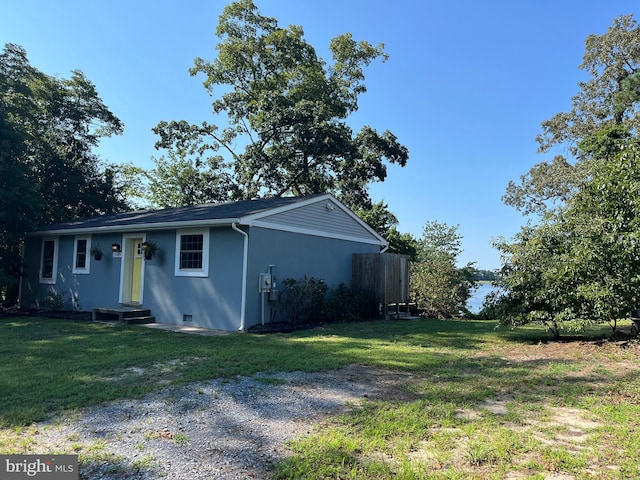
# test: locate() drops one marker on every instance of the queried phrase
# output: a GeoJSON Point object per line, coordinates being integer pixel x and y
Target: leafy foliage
{"type": "Point", "coordinates": [611, 60]}
{"type": "Point", "coordinates": [608, 100]}
{"type": "Point", "coordinates": [537, 283]}
{"type": "Point", "coordinates": [286, 109]}
{"type": "Point", "coordinates": [178, 180]}
{"type": "Point", "coordinates": [348, 303]}
{"type": "Point", "coordinates": [382, 220]}
{"type": "Point", "coordinates": [311, 299]}
{"type": "Point", "coordinates": [439, 288]}
{"type": "Point", "coordinates": [582, 264]}
{"type": "Point", "coordinates": [303, 299]}
{"type": "Point", "coordinates": [48, 173]}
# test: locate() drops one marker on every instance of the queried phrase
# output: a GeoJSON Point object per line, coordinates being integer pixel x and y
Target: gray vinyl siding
{"type": "Point", "coordinates": [293, 256]}
{"type": "Point", "coordinates": [98, 288]}
{"type": "Point", "coordinates": [317, 217]}
{"type": "Point", "coordinates": [213, 301]}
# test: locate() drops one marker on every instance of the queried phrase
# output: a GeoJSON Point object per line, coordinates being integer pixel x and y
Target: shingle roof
{"type": "Point", "coordinates": [217, 212]}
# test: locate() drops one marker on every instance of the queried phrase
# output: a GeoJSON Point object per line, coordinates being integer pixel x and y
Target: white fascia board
{"type": "Point", "coordinates": [363, 224]}
{"type": "Point", "coordinates": [137, 227]}
{"type": "Point", "coordinates": [317, 233]}
{"type": "Point", "coordinates": [251, 220]}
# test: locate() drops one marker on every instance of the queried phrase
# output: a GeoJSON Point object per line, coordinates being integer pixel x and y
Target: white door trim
{"type": "Point", "coordinates": [128, 251]}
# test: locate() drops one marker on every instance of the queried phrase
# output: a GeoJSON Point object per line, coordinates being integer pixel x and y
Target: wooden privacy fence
{"type": "Point", "coordinates": [385, 274]}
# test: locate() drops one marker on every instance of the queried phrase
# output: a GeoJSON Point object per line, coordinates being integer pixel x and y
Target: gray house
{"type": "Point", "coordinates": [217, 265]}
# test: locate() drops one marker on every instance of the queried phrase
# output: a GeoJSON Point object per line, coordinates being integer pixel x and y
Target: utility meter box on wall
{"type": "Point", "coordinates": [264, 284]}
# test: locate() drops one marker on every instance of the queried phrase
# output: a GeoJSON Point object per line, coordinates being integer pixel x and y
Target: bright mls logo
{"type": "Point", "coordinates": [49, 467]}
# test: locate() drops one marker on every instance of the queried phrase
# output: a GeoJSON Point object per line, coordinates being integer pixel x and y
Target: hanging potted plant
{"type": "Point", "coordinates": [150, 250]}
{"type": "Point", "coordinates": [96, 252]}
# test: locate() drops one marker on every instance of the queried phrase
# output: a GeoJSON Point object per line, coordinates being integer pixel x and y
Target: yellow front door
{"type": "Point", "coordinates": [136, 269]}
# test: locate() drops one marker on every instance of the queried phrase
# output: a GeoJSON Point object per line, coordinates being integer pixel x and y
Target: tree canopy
{"type": "Point", "coordinates": [285, 130]}
{"type": "Point", "coordinates": [607, 101]}
{"type": "Point", "coordinates": [48, 171]}
{"type": "Point", "coordinates": [580, 263]}
{"type": "Point", "coordinates": [438, 286]}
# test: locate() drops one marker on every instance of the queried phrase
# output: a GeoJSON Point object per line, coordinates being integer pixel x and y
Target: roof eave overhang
{"type": "Point", "coordinates": [255, 219]}
{"type": "Point", "coordinates": [248, 220]}
{"type": "Point", "coordinates": [220, 222]}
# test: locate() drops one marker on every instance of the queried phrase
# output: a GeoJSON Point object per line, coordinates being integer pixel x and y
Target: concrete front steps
{"type": "Point", "coordinates": [124, 314]}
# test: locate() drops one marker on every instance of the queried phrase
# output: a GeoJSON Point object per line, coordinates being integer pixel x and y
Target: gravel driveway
{"type": "Point", "coordinates": [221, 429]}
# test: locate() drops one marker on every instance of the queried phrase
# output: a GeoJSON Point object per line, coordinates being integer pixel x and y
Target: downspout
{"type": "Point", "coordinates": [245, 264]}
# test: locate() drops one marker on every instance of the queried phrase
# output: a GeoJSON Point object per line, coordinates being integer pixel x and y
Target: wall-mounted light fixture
{"type": "Point", "coordinates": [115, 247]}
{"type": "Point", "coordinates": [330, 206]}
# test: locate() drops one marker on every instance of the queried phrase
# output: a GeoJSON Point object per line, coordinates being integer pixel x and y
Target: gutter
{"type": "Point", "coordinates": [133, 227]}
{"type": "Point", "coordinates": [245, 264]}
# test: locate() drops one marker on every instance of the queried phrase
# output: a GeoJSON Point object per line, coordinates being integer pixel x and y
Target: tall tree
{"type": "Point", "coordinates": [48, 172]}
{"type": "Point", "coordinates": [538, 285]}
{"type": "Point", "coordinates": [383, 221]}
{"type": "Point", "coordinates": [286, 108]}
{"type": "Point", "coordinates": [608, 100]}
{"type": "Point", "coordinates": [178, 180]}
{"type": "Point", "coordinates": [581, 264]}
{"type": "Point", "coordinates": [438, 286]}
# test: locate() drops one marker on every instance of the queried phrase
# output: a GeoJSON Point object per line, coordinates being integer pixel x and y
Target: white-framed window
{"type": "Point", "coordinates": [49, 260]}
{"type": "Point", "coordinates": [192, 253]}
{"type": "Point", "coordinates": [81, 249]}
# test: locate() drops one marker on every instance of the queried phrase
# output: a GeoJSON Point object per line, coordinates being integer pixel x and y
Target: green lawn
{"type": "Point", "coordinates": [483, 403]}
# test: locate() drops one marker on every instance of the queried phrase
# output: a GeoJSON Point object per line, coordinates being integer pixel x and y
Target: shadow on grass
{"type": "Point", "coordinates": [453, 398]}
{"type": "Point", "coordinates": [51, 365]}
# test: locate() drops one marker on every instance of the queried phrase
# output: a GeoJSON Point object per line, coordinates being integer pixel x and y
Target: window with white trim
{"type": "Point", "coordinates": [81, 248]}
{"type": "Point", "coordinates": [192, 253]}
{"type": "Point", "coordinates": [49, 260]}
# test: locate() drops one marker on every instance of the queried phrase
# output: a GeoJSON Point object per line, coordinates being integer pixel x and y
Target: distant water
{"type": "Point", "coordinates": [475, 302]}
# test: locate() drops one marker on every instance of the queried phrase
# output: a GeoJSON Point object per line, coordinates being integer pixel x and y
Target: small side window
{"type": "Point", "coordinates": [81, 251]}
{"type": "Point", "coordinates": [49, 261]}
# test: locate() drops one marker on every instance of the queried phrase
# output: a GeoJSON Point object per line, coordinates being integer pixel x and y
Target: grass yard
{"type": "Point", "coordinates": [477, 402]}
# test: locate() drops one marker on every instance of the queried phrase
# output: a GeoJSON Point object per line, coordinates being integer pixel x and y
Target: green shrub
{"type": "Point", "coordinates": [303, 300]}
{"type": "Point", "coordinates": [348, 303]}
{"type": "Point", "coordinates": [55, 301]}
{"type": "Point", "coordinates": [310, 299]}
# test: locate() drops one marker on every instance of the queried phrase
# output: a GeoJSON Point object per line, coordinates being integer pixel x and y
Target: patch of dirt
{"type": "Point", "coordinates": [381, 384]}
{"type": "Point", "coordinates": [615, 357]}
{"type": "Point", "coordinates": [573, 418]}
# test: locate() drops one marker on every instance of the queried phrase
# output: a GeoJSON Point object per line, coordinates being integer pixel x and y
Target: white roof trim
{"type": "Point", "coordinates": [317, 233]}
{"type": "Point", "coordinates": [248, 220]}
{"type": "Point", "coordinates": [285, 208]}
{"type": "Point", "coordinates": [138, 226]}
{"type": "Point", "coordinates": [251, 219]}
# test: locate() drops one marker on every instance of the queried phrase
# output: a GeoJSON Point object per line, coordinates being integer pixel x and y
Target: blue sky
{"type": "Point", "coordinates": [465, 88]}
